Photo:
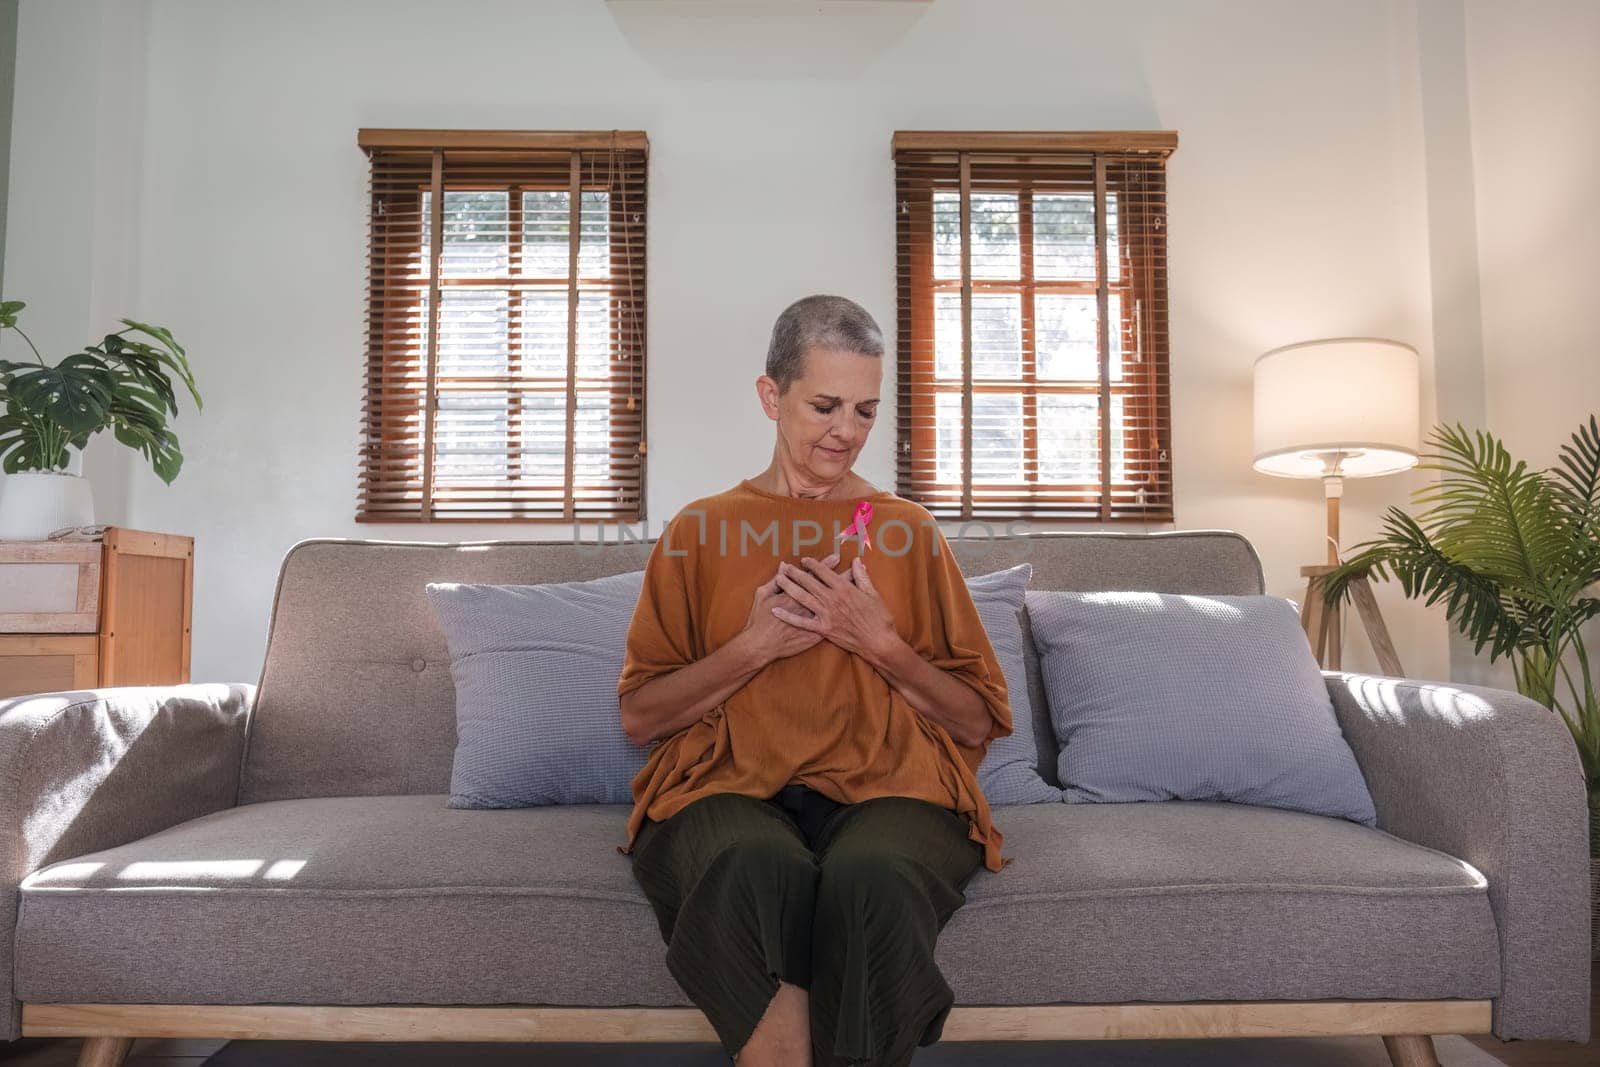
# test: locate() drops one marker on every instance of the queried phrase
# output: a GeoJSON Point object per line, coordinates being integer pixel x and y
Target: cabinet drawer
{"type": "Point", "coordinates": [47, 663]}
{"type": "Point", "coordinates": [49, 588]}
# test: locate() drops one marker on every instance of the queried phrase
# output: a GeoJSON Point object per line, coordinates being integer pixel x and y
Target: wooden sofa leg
{"type": "Point", "coordinates": [1411, 1050]}
{"type": "Point", "coordinates": [104, 1051]}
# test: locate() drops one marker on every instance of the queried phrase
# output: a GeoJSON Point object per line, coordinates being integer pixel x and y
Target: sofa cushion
{"type": "Point", "coordinates": [1009, 773]}
{"type": "Point", "coordinates": [535, 668]}
{"type": "Point", "coordinates": [381, 900]}
{"type": "Point", "coordinates": [1155, 696]}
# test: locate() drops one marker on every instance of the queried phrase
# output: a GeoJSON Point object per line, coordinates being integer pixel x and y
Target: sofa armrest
{"type": "Point", "coordinates": [1492, 778]}
{"type": "Point", "coordinates": [90, 769]}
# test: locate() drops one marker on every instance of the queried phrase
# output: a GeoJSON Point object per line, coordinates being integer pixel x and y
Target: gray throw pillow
{"type": "Point", "coordinates": [1157, 696]}
{"type": "Point", "coordinates": [535, 668]}
{"type": "Point", "coordinates": [1009, 773]}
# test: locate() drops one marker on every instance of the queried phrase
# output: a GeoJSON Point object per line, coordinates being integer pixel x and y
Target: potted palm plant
{"type": "Point", "coordinates": [124, 383]}
{"type": "Point", "coordinates": [1515, 554]}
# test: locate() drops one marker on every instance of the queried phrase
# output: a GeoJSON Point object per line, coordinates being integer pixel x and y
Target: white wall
{"type": "Point", "coordinates": [1536, 159]}
{"type": "Point", "coordinates": [1535, 99]}
{"type": "Point", "coordinates": [74, 206]}
{"type": "Point", "coordinates": [212, 150]}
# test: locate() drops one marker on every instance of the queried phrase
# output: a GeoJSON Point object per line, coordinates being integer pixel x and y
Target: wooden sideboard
{"type": "Point", "coordinates": [91, 614]}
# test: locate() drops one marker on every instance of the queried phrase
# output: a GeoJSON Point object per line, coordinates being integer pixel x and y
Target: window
{"type": "Point", "coordinates": [505, 327]}
{"type": "Point", "coordinates": [1032, 332]}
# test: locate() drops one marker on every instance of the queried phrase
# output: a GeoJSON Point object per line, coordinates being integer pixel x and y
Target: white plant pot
{"type": "Point", "coordinates": [34, 504]}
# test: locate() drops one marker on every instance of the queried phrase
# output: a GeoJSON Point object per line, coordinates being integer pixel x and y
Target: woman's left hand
{"type": "Point", "coordinates": [846, 608]}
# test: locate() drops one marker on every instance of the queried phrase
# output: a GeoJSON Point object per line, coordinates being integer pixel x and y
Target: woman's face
{"type": "Point", "coordinates": [825, 417]}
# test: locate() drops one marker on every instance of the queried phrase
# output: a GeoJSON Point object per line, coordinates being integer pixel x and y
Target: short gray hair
{"type": "Point", "coordinates": [821, 321]}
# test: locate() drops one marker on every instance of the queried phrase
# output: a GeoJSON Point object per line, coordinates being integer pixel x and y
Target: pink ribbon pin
{"type": "Point", "coordinates": [858, 525]}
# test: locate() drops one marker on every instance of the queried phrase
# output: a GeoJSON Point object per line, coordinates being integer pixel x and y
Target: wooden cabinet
{"type": "Point", "coordinates": [90, 614]}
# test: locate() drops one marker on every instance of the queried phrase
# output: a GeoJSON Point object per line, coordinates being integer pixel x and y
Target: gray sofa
{"type": "Point", "coordinates": [225, 860]}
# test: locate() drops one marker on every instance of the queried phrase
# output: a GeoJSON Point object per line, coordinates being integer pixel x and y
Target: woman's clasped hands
{"type": "Point", "coordinates": [808, 602]}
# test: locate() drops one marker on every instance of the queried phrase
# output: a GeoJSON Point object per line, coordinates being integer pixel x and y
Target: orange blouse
{"type": "Point", "coordinates": [823, 717]}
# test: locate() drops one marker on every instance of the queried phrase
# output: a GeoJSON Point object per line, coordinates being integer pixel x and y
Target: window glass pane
{"type": "Point", "coordinates": [996, 437]}
{"type": "Point", "coordinates": [541, 453]}
{"type": "Point", "coordinates": [592, 455]}
{"type": "Point", "coordinates": [594, 239]}
{"type": "Point", "coordinates": [594, 342]}
{"type": "Point", "coordinates": [1119, 454]}
{"type": "Point", "coordinates": [996, 335]}
{"type": "Point", "coordinates": [947, 235]}
{"type": "Point", "coordinates": [469, 437]}
{"type": "Point", "coordinates": [476, 238]}
{"type": "Point", "coordinates": [1069, 449]}
{"type": "Point", "coordinates": [542, 450]}
{"type": "Point", "coordinates": [1063, 237]}
{"type": "Point", "coordinates": [544, 334]}
{"type": "Point", "coordinates": [947, 424]}
{"type": "Point", "coordinates": [472, 331]}
{"type": "Point", "coordinates": [1067, 327]}
{"type": "Point", "coordinates": [1069, 439]}
{"type": "Point", "coordinates": [996, 246]}
{"type": "Point", "coordinates": [546, 224]}
{"type": "Point", "coordinates": [546, 221]}
{"type": "Point", "coordinates": [420, 258]}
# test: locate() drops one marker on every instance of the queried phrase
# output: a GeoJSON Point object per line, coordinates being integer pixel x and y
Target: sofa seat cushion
{"type": "Point", "coordinates": [1189, 900]}
{"type": "Point", "coordinates": [400, 899]}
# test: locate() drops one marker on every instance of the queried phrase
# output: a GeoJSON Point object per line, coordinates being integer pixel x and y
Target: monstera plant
{"type": "Point", "coordinates": [1514, 554]}
{"type": "Point", "coordinates": [124, 383]}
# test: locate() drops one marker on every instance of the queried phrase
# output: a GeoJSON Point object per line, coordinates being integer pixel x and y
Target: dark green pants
{"type": "Point", "coordinates": [845, 900]}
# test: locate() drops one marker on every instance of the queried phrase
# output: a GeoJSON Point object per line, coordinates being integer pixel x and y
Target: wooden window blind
{"type": "Point", "coordinates": [1032, 325]}
{"type": "Point", "coordinates": [505, 327]}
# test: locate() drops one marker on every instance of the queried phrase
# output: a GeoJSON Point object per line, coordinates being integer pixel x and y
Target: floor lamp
{"type": "Point", "coordinates": [1342, 407]}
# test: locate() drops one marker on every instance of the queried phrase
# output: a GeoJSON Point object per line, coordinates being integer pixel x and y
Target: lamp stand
{"type": "Point", "coordinates": [1320, 618]}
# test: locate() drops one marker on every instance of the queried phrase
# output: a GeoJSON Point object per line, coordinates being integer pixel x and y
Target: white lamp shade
{"type": "Point", "coordinates": [1353, 395]}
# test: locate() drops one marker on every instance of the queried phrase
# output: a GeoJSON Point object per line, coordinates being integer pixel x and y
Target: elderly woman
{"type": "Point", "coordinates": [810, 660]}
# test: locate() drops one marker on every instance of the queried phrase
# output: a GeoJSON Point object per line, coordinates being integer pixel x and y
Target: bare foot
{"type": "Point", "coordinates": [783, 1036]}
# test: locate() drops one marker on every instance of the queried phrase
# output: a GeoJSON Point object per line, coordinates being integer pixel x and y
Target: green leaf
{"type": "Point", "coordinates": [160, 333]}
{"type": "Point", "coordinates": [1578, 480]}
{"type": "Point", "coordinates": [170, 354]}
{"type": "Point", "coordinates": [158, 445]}
{"type": "Point", "coordinates": [14, 431]}
{"type": "Point", "coordinates": [8, 312]}
{"type": "Point", "coordinates": [1493, 514]}
{"type": "Point", "coordinates": [75, 394]}
{"type": "Point", "coordinates": [1473, 602]}
{"type": "Point", "coordinates": [141, 366]}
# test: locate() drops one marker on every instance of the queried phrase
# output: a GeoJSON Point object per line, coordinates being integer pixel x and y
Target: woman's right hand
{"type": "Point", "coordinates": [773, 638]}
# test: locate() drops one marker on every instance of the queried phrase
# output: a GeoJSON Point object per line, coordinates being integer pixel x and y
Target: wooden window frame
{"type": "Point", "coordinates": [941, 162]}
{"type": "Point", "coordinates": [404, 384]}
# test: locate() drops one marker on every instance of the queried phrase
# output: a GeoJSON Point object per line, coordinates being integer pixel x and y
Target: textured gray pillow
{"type": "Point", "coordinates": [1157, 696]}
{"type": "Point", "coordinates": [536, 669]}
{"type": "Point", "coordinates": [1009, 773]}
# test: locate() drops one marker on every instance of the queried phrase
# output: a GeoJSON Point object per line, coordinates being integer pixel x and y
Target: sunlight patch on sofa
{"type": "Point", "coordinates": [66, 872]}
{"type": "Point", "coordinates": [283, 870]}
{"type": "Point", "coordinates": [1380, 699]}
{"type": "Point", "coordinates": [1477, 876]}
{"type": "Point", "coordinates": [162, 870]}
